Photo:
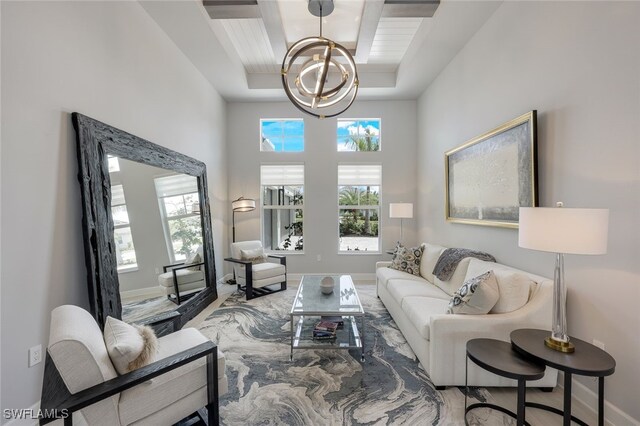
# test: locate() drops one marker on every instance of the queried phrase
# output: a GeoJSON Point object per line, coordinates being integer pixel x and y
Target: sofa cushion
{"type": "Point", "coordinates": [261, 271]}
{"type": "Point", "coordinates": [476, 296]}
{"type": "Point", "coordinates": [386, 274]}
{"type": "Point", "coordinates": [407, 259]}
{"type": "Point", "coordinates": [400, 289]}
{"type": "Point", "coordinates": [456, 280]}
{"type": "Point", "coordinates": [419, 310]}
{"type": "Point", "coordinates": [162, 391]}
{"type": "Point", "coordinates": [514, 286]}
{"type": "Point", "coordinates": [431, 255]}
{"type": "Point", "coordinates": [184, 276]}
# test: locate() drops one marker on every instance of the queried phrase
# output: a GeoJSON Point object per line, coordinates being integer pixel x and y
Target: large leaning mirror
{"type": "Point", "coordinates": [147, 225]}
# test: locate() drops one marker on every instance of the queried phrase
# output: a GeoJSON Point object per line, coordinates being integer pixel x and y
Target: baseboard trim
{"type": "Point", "coordinates": [612, 414]}
{"type": "Point", "coordinates": [141, 292]}
{"type": "Point", "coordinates": [357, 278]}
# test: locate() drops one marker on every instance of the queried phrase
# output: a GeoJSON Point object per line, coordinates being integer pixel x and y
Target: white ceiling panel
{"type": "Point", "coordinates": [392, 38]}
{"type": "Point", "coordinates": [249, 38]}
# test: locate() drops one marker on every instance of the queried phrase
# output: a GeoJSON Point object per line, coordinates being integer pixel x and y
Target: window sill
{"type": "Point", "coordinates": [360, 253]}
{"type": "Point", "coordinates": [128, 269]}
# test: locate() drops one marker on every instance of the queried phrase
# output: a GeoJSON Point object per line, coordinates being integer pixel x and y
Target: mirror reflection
{"type": "Point", "coordinates": [158, 237]}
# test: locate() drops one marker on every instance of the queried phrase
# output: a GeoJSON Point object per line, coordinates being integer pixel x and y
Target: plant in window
{"type": "Point", "coordinates": [366, 142]}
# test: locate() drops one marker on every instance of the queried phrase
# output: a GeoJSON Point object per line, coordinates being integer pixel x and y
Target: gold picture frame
{"type": "Point", "coordinates": [488, 178]}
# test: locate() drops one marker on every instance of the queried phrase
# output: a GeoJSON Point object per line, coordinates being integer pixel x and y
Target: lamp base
{"type": "Point", "coordinates": [559, 345]}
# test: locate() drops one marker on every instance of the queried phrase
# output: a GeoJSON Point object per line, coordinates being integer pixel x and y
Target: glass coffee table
{"type": "Point", "coordinates": [310, 304]}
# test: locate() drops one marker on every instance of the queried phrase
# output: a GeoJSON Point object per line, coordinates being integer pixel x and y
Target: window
{"type": "Point", "coordinates": [282, 135]}
{"type": "Point", "coordinates": [359, 207]}
{"type": "Point", "coordinates": [282, 207]}
{"type": "Point", "coordinates": [179, 207]}
{"type": "Point", "coordinates": [125, 251]}
{"type": "Point", "coordinates": [358, 135]}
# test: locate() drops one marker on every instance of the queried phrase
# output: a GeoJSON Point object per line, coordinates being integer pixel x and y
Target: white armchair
{"type": "Point", "coordinates": [188, 374]}
{"type": "Point", "coordinates": [179, 278]}
{"type": "Point", "coordinates": [255, 278]}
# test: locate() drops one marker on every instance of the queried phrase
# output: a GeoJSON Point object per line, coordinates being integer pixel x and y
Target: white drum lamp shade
{"type": "Point", "coordinates": [562, 231]}
{"type": "Point", "coordinates": [243, 205]}
{"type": "Point", "coordinates": [401, 210]}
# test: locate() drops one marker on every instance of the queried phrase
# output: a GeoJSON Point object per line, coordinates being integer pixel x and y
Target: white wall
{"type": "Point", "coordinates": [399, 138]}
{"type": "Point", "coordinates": [578, 64]}
{"type": "Point", "coordinates": [111, 61]}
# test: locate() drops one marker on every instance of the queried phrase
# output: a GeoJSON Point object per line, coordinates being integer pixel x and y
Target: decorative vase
{"type": "Point", "coordinates": [326, 285]}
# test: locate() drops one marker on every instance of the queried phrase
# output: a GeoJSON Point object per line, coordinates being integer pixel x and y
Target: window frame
{"type": "Point", "coordinates": [283, 207]}
{"type": "Point", "coordinates": [166, 221]}
{"type": "Point", "coordinates": [360, 207]}
{"type": "Point", "coordinates": [283, 134]}
{"type": "Point", "coordinates": [126, 268]}
{"type": "Point", "coordinates": [358, 120]}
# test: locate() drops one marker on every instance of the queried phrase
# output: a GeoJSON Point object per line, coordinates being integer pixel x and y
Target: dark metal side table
{"type": "Point", "coordinates": [497, 357]}
{"type": "Point", "coordinates": [587, 360]}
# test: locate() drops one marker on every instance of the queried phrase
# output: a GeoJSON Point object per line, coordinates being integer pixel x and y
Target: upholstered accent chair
{"type": "Point", "coordinates": [182, 277]}
{"type": "Point", "coordinates": [188, 374]}
{"type": "Point", "coordinates": [255, 278]}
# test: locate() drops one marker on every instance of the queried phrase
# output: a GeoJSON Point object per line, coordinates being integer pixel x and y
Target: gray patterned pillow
{"type": "Point", "coordinates": [476, 296]}
{"type": "Point", "coordinates": [407, 259]}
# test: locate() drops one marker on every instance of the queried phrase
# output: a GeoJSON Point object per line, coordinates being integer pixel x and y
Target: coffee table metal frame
{"type": "Point", "coordinates": [355, 335]}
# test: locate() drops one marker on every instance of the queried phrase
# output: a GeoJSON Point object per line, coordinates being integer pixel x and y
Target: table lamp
{"type": "Point", "coordinates": [562, 231]}
{"type": "Point", "coordinates": [400, 211]}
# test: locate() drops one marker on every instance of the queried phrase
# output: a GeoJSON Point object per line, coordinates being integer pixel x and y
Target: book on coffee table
{"type": "Point", "coordinates": [335, 319]}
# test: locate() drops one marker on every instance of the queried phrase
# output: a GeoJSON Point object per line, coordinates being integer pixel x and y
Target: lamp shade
{"type": "Point", "coordinates": [243, 204]}
{"type": "Point", "coordinates": [401, 210]}
{"type": "Point", "coordinates": [564, 230]}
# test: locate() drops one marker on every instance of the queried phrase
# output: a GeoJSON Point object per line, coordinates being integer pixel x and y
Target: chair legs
{"type": "Point", "coordinates": [213, 417]}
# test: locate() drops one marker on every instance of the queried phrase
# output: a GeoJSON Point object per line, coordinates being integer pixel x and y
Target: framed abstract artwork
{"type": "Point", "coordinates": [488, 178]}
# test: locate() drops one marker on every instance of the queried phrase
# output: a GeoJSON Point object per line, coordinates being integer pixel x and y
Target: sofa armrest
{"type": "Point", "coordinates": [385, 264]}
{"type": "Point", "coordinates": [449, 333]}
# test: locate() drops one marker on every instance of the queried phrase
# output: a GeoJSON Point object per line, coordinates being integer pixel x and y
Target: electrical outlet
{"type": "Point", "coordinates": [319, 257]}
{"type": "Point", "coordinates": [35, 355]}
{"type": "Point", "coordinates": [157, 271]}
{"type": "Point", "coordinates": [598, 343]}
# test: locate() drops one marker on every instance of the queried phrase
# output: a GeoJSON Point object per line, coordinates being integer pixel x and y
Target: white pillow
{"type": "Point", "coordinates": [476, 296]}
{"type": "Point", "coordinates": [129, 346]}
{"type": "Point", "coordinates": [193, 259]}
{"type": "Point", "coordinates": [514, 290]}
{"type": "Point", "coordinates": [254, 255]}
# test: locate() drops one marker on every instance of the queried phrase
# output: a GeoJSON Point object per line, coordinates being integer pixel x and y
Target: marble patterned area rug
{"type": "Point", "coordinates": [327, 387]}
{"type": "Point", "coordinates": [136, 311]}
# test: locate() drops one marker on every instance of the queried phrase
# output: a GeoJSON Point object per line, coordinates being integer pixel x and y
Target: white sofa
{"type": "Point", "coordinates": [418, 305]}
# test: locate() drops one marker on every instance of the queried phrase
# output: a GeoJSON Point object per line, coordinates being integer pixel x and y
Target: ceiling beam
{"type": "Point", "coordinates": [368, 25]}
{"type": "Point", "coordinates": [410, 8]}
{"type": "Point", "coordinates": [231, 9]}
{"type": "Point", "coordinates": [272, 19]}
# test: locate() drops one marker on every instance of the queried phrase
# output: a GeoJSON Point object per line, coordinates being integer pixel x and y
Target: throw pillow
{"type": "Point", "coordinates": [253, 255]}
{"type": "Point", "coordinates": [193, 259]}
{"type": "Point", "coordinates": [407, 259]}
{"type": "Point", "coordinates": [476, 296]}
{"type": "Point", "coordinates": [129, 347]}
{"type": "Point", "coordinates": [515, 289]}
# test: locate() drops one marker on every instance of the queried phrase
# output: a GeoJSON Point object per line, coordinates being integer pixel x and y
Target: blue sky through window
{"type": "Point", "coordinates": [349, 129]}
{"type": "Point", "coordinates": [282, 135]}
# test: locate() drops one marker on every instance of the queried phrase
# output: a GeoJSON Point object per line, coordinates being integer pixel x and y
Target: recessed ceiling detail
{"type": "Point", "coordinates": [377, 32]}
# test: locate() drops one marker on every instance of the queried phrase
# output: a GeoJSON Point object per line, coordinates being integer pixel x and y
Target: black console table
{"type": "Point", "coordinates": [587, 360]}
{"type": "Point", "coordinates": [497, 357]}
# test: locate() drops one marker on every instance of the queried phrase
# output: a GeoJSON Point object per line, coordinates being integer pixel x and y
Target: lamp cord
{"type": "Point", "coordinates": [320, 19]}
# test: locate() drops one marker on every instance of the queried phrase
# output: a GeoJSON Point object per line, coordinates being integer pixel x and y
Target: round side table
{"type": "Point", "coordinates": [587, 360]}
{"type": "Point", "coordinates": [497, 357]}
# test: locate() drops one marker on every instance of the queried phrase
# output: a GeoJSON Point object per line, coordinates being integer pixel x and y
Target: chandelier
{"type": "Point", "coordinates": [326, 82]}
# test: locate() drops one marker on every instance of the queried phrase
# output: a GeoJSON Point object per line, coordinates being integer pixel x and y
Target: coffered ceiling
{"type": "Point", "coordinates": [399, 45]}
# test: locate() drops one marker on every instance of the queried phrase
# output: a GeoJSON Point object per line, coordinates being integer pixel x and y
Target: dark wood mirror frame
{"type": "Point", "coordinates": [96, 140]}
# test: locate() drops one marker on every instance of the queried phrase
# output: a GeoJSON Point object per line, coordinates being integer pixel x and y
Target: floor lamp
{"type": "Point", "coordinates": [401, 211]}
{"type": "Point", "coordinates": [239, 206]}
{"type": "Point", "coordinates": [562, 231]}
